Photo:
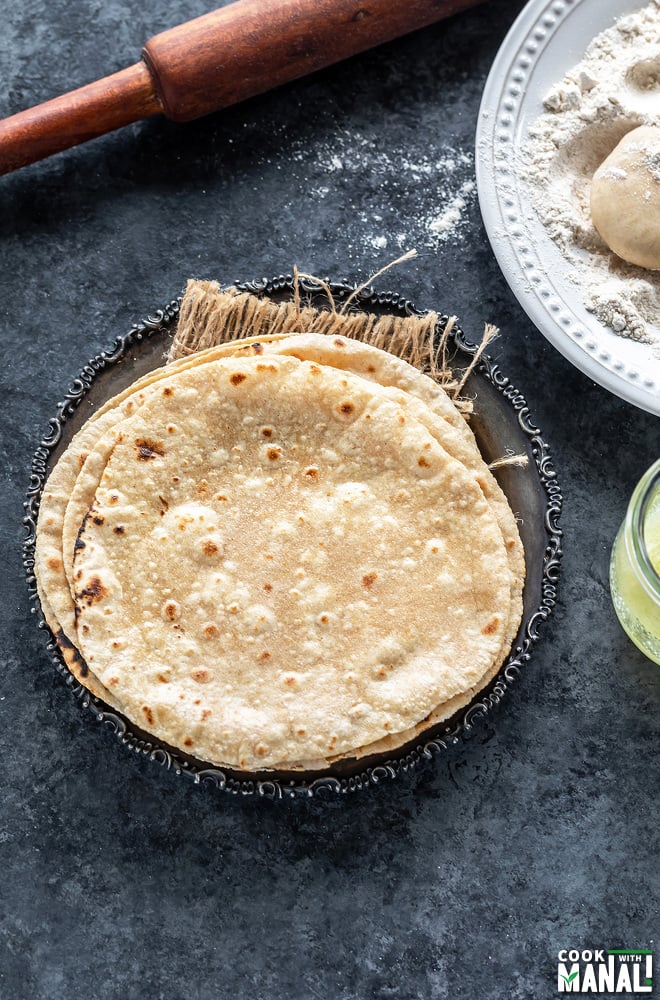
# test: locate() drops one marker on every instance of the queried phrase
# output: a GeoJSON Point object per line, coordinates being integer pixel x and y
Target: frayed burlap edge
{"type": "Point", "coordinates": [211, 315]}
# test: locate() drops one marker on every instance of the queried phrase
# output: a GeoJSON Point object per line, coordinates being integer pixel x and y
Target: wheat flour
{"type": "Point", "coordinates": [614, 89]}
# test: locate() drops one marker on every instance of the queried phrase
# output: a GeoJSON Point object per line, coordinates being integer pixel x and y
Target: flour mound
{"type": "Point", "coordinates": [615, 89]}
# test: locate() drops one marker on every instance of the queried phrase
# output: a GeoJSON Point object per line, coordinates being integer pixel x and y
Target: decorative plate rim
{"type": "Point", "coordinates": [518, 238]}
{"type": "Point", "coordinates": [458, 727]}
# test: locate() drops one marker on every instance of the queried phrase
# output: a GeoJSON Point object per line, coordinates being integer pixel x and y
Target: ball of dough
{"type": "Point", "coordinates": [625, 198]}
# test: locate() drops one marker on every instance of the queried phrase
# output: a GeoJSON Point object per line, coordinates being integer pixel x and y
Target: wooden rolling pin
{"type": "Point", "coordinates": [213, 61]}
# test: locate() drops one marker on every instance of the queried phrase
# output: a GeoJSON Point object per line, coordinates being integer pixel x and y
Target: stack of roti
{"type": "Point", "coordinates": [280, 553]}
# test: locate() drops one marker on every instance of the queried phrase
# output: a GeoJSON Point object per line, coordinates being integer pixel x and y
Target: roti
{"type": "Point", "coordinates": [353, 356]}
{"type": "Point", "coordinates": [49, 560]}
{"type": "Point", "coordinates": [401, 583]}
{"type": "Point", "coordinates": [73, 485]}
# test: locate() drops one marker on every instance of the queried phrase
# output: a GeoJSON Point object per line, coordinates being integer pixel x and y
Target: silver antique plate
{"type": "Point", "coordinates": [502, 425]}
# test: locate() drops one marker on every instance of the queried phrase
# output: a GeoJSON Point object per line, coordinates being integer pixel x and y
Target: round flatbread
{"type": "Point", "coordinates": [49, 555]}
{"type": "Point", "coordinates": [247, 475]}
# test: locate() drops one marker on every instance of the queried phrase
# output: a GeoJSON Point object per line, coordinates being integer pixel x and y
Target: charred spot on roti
{"type": "Point", "coordinates": [188, 742]}
{"type": "Point", "coordinates": [93, 592]}
{"type": "Point", "coordinates": [423, 463]}
{"type": "Point", "coordinates": [148, 714]}
{"type": "Point", "coordinates": [171, 611]}
{"type": "Point", "coordinates": [82, 458]}
{"type": "Point", "coordinates": [248, 350]}
{"type": "Point", "coordinates": [201, 675]}
{"type": "Point", "coordinates": [274, 453]}
{"type": "Point", "coordinates": [77, 660]}
{"type": "Point", "coordinates": [312, 472]}
{"type": "Point", "coordinates": [54, 563]}
{"type": "Point", "coordinates": [163, 678]}
{"type": "Point", "coordinates": [211, 630]}
{"type": "Point", "coordinates": [168, 390]}
{"type": "Point", "coordinates": [491, 627]}
{"type": "Point", "coordinates": [119, 529]}
{"type": "Point", "coordinates": [267, 432]}
{"type": "Point", "coordinates": [206, 714]}
{"type": "Point", "coordinates": [98, 519]}
{"type": "Point", "coordinates": [209, 547]}
{"type": "Point", "coordinates": [369, 579]}
{"type": "Point", "coordinates": [147, 449]}
{"type": "Point", "coordinates": [268, 587]}
{"type": "Point", "coordinates": [237, 377]}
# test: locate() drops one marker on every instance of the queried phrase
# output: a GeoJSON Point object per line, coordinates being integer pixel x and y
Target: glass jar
{"type": "Point", "coordinates": [635, 566]}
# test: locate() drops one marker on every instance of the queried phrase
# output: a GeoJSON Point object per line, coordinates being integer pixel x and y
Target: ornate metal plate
{"type": "Point", "coordinates": [502, 424]}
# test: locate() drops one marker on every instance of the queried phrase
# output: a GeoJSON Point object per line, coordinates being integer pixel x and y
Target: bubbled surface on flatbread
{"type": "Point", "coordinates": [54, 548]}
{"type": "Point", "coordinates": [353, 356]}
{"type": "Point", "coordinates": [430, 404]}
{"type": "Point", "coordinates": [282, 564]}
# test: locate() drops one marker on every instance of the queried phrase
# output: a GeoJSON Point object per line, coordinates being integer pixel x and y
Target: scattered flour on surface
{"type": "Point", "coordinates": [614, 89]}
{"type": "Point", "coordinates": [450, 218]}
{"type": "Point", "coordinates": [422, 199]}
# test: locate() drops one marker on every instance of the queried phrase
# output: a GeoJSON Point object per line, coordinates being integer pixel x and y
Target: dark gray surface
{"type": "Point", "coordinates": [117, 878]}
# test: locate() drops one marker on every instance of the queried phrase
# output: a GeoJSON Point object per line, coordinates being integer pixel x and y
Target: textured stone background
{"type": "Point", "coordinates": [116, 878]}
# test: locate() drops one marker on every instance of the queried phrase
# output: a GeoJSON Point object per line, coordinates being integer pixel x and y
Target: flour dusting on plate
{"type": "Point", "coordinates": [613, 90]}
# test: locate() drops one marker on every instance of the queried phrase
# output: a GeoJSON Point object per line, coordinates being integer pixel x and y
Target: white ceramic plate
{"type": "Point", "coordinates": [548, 39]}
